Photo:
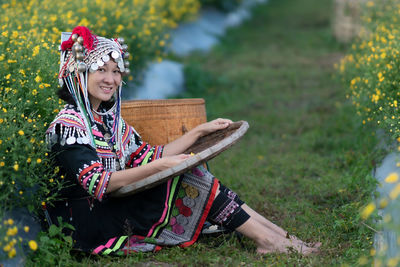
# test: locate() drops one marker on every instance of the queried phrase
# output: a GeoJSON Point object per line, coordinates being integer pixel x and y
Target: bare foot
{"type": "Point", "coordinates": [287, 246]}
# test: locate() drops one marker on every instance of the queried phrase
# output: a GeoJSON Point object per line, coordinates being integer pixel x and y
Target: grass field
{"type": "Point", "coordinates": [305, 162]}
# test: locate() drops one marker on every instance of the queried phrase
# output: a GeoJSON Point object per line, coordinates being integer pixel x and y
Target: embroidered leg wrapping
{"type": "Point", "coordinates": [232, 195]}
{"type": "Point", "coordinates": [227, 212]}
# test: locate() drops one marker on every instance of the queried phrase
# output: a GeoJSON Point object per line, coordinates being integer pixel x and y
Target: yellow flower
{"type": "Point", "coordinates": [7, 248]}
{"type": "Point", "coordinates": [38, 79]}
{"type": "Point", "coordinates": [366, 212]}
{"type": "Point", "coordinates": [383, 203]}
{"type": "Point", "coordinates": [363, 260]}
{"type": "Point", "coordinates": [35, 50]}
{"type": "Point", "coordinates": [29, 160]}
{"type": "Point", "coordinates": [392, 262]}
{"type": "Point", "coordinates": [26, 229]}
{"type": "Point", "coordinates": [12, 253]}
{"type": "Point", "coordinates": [119, 28]}
{"type": "Point", "coordinates": [12, 231]}
{"type": "Point", "coordinates": [33, 245]}
{"type": "Point", "coordinates": [16, 167]}
{"type": "Point", "coordinates": [38, 160]}
{"type": "Point", "coordinates": [2, 164]}
{"type": "Point", "coordinates": [392, 178]}
{"type": "Point", "coordinates": [20, 132]}
{"type": "Point", "coordinates": [395, 192]}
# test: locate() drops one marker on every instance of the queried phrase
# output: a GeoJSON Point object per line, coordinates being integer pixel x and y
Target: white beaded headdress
{"type": "Point", "coordinates": [83, 52]}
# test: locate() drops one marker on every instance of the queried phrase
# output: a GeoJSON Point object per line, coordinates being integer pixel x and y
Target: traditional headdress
{"type": "Point", "coordinates": [83, 52]}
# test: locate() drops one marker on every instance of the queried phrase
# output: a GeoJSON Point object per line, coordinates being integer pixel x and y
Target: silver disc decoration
{"type": "Point", "coordinates": [115, 54]}
{"type": "Point", "coordinates": [94, 67]}
{"type": "Point", "coordinates": [71, 140]}
{"type": "Point", "coordinates": [106, 58]}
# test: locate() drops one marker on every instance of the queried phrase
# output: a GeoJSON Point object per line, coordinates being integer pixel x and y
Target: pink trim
{"type": "Point", "coordinates": [136, 162]}
{"type": "Point", "coordinates": [165, 209]}
{"type": "Point", "coordinates": [86, 179]}
{"type": "Point", "coordinates": [99, 248]}
{"type": "Point", "coordinates": [97, 133]}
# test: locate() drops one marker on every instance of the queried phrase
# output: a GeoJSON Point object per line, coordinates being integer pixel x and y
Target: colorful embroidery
{"type": "Point", "coordinates": [94, 179]}
{"type": "Point", "coordinates": [224, 214]}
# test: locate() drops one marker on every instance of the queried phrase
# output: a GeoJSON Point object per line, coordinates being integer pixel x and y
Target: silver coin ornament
{"type": "Point", "coordinates": [79, 140]}
{"type": "Point", "coordinates": [126, 64]}
{"type": "Point", "coordinates": [94, 66]}
{"type": "Point", "coordinates": [106, 58]}
{"type": "Point", "coordinates": [71, 140]}
{"type": "Point", "coordinates": [80, 40]}
{"type": "Point", "coordinates": [121, 65]}
{"type": "Point", "coordinates": [74, 37]}
{"type": "Point", "coordinates": [124, 47]}
{"type": "Point", "coordinates": [126, 55]}
{"type": "Point", "coordinates": [115, 55]}
{"type": "Point", "coordinates": [77, 47]}
{"type": "Point", "coordinates": [120, 40]}
{"type": "Point", "coordinates": [127, 71]}
{"type": "Point", "coordinates": [80, 56]}
{"type": "Point", "coordinates": [62, 142]}
{"type": "Point", "coordinates": [81, 67]}
{"type": "Point", "coordinates": [85, 140]}
{"type": "Point", "coordinates": [100, 63]}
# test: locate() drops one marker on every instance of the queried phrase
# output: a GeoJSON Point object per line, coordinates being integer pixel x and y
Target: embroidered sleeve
{"type": "Point", "coordinates": [139, 152]}
{"type": "Point", "coordinates": [82, 162]}
{"type": "Point", "coordinates": [69, 141]}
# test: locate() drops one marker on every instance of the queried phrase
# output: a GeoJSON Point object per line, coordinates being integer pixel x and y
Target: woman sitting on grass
{"type": "Point", "coordinates": [98, 153]}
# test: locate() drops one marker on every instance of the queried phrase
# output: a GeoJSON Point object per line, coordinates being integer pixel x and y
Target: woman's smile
{"type": "Point", "coordinates": [103, 83]}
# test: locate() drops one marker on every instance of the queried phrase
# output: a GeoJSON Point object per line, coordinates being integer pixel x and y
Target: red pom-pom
{"type": "Point", "coordinates": [88, 38]}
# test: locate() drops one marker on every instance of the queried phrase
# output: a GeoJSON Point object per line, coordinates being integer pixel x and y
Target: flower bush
{"type": "Point", "coordinates": [371, 71]}
{"type": "Point", "coordinates": [29, 41]}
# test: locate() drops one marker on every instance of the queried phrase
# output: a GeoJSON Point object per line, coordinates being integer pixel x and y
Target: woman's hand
{"type": "Point", "coordinates": [212, 126]}
{"type": "Point", "coordinates": [184, 142]}
{"type": "Point", "coordinates": [170, 161]}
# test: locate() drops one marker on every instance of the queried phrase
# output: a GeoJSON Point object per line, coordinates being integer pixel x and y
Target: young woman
{"type": "Point", "coordinates": [98, 153]}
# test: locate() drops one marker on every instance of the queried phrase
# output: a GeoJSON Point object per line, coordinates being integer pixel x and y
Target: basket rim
{"type": "Point", "coordinates": [163, 102]}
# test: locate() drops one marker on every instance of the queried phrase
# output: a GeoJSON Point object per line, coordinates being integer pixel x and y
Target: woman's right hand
{"type": "Point", "coordinates": [170, 161]}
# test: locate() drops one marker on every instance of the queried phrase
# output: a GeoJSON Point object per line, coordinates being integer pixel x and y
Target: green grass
{"type": "Point", "coordinates": [305, 162]}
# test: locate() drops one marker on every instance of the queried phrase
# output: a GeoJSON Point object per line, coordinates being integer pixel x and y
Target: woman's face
{"type": "Point", "coordinates": [103, 83]}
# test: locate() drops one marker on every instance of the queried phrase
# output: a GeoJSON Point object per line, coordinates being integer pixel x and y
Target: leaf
{"type": "Point", "coordinates": [53, 230]}
{"type": "Point", "coordinates": [68, 239]}
{"type": "Point", "coordinates": [30, 208]}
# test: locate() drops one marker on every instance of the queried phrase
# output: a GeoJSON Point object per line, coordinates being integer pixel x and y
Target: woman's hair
{"type": "Point", "coordinates": [65, 95]}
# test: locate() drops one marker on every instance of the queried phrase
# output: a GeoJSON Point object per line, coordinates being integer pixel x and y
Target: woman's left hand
{"type": "Point", "coordinates": [213, 126]}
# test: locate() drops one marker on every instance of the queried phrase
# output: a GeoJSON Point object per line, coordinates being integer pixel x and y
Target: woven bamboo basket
{"type": "Point", "coordinates": [162, 121]}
